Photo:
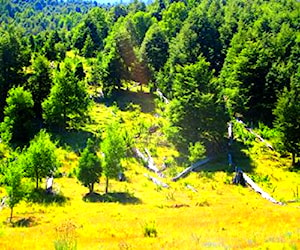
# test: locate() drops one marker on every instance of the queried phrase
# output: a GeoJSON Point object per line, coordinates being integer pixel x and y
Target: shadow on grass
{"type": "Point", "coordinates": [24, 222]}
{"type": "Point", "coordinates": [40, 196]}
{"type": "Point", "coordinates": [220, 162]}
{"type": "Point", "coordinates": [120, 197]}
{"type": "Point", "coordinates": [75, 139]}
{"type": "Point", "coordinates": [124, 97]}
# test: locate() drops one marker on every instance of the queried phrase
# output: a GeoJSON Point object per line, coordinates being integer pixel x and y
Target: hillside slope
{"type": "Point", "coordinates": [218, 215]}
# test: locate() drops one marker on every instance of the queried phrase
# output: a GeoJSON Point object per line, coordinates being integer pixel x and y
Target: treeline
{"type": "Point", "coordinates": [213, 59]}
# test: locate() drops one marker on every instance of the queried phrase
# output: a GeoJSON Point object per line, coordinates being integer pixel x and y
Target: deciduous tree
{"type": "Point", "coordinates": [40, 159]}
{"type": "Point", "coordinates": [17, 126]}
{"type": "Point", "coordinates": [68, 100]}
{"type": "Point", "coordinates": [89, 167]}
{"type": "Point", "coordinates": [13, 174]}
{"type": "Point", "coordinates": [114, 149]}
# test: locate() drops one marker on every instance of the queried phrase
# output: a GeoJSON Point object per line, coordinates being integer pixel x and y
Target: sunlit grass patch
{"type": "Point", "coordinates": [202, 210]}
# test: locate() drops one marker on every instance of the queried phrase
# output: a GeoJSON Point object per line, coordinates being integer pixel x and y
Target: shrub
{"type": "Point", "coordinates": [150, 229]}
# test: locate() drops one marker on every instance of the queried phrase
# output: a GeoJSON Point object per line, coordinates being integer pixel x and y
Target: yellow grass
{"type": "Point", "coordinates": [218, 216]}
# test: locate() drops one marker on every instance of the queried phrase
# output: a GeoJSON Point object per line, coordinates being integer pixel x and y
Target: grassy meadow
{"type": "Point", "coordinates": [137, 214]}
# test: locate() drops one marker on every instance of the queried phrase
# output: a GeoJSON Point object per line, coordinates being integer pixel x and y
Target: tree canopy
{"type": "Point", "coordinates": [17, 126]}
{"type": "Point", "coordinates": [68, 100]}
{"type": "Point", "coordinates": [212, 59]}
{"type": "Point", "coordinates": [114, 149]}
{"type": "Point", "coordinates": [39, 160]}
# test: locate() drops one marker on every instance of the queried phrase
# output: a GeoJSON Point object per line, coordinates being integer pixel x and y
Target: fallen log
{"type": "Point", "coordinates": [161, 95]}
{"type": "Point", "coordinates": [192, 188]}
{"type": "Point", "coordinates": [139, 154]}
{"type": "Point", "coordinates": [256, 135]}
{"type": "Point", "coordinates": [260, 138]}
{"type": "Point", "coordinates": [156, 181]}
{"type": "Point", "coordinates": [257, 189]}
{"type": "Point", "coordinates": [149, 162]}
{"type": "Point", "coordinates": [191, 168]}
{"type": "Point", "coordinates": [3, 202]}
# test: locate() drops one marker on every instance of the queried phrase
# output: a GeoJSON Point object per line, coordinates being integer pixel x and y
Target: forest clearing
{"type": "Point", "coordinates": [217, 215]}
{"type": "Point", "coordinates": [149, 125]}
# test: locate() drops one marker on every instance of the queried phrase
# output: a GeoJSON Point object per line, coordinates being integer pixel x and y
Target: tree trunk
{"type": "Point", "coordinates": [91, 187]}
{"type": "Point", "coordinates": [37, 181]}
{"type": "Point", "coordinates": [106, 187]}
{"type": "Point", "coordinates": [11, 214]}
{"type": "Point", "coordinates": [293, 159]}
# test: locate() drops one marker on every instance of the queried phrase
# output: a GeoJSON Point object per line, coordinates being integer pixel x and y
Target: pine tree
{"type": "Point", "coordinates": [287, 114]}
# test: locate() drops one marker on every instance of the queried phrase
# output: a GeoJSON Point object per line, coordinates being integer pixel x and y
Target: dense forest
{"type": "Point", "coordinates": [213, 60]}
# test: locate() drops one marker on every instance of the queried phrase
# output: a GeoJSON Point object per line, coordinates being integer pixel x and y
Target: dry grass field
{"type": "Point", "coordinates": [137, 214]}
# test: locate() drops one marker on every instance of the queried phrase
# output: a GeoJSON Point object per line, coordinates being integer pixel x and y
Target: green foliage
{"type": "Point", "coordinates": [40, 159]}
{"type": "Point", "coordinates": [89, 166]}
{"type": "Point", "coordinates": [88, 36]}
{"type": "Point", "coordinates": [252, 48]}
{"type": "Point", "coordinates": [51, 46]}
{"type": "Point", "coordinates": [261, 59]}
{"type": "Point", "coordinates": [138, 24]}
{"type": "Point", "coordinates": [242, 133]}
{"type": "Point", "coordinates": [12, 59]}
{"type": "Point", "coordinates": [150, 229]}
{"type": "Point", "coordinates": [40, 82]}
{"type": "Point", "coordinates": [68, 100]}
{"type": "Point", "coordinates": [13, 175]}
{"type": "Point", "coordinates": [114, 148]}
{"type": "Point", "coordinates": [198, 35]}
{"type": "Point", "coordinates": [287, 114]}
{"type": "Point", "coordinates": [79, 71]}
{"type": "Point", "coordinates": [197, 152]}
{"type": "Point", "coordinates": [195, 110]}
{"type": "Point", "coordinates": [173, 18]}
{"type": "Point", "coordinates": [155, 47]}
{"type": "Point", "coordinates": [110, 63]}
{"type": "Point", "coordinates": [17, 124]}
{"type": "Point", "coordinates": [88, 49]}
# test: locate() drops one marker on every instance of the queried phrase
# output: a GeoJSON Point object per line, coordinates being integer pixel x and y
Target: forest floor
{"type": "Point", "coordinates": [137, 214]}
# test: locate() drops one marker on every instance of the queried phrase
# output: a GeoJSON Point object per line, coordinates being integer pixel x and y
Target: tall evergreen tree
{"type": "Point", "coordinates": [155, 47]}
{"type": "Point", "coordinates": [12, 60]}
{"type": "Point", "coordinates": [40, 82]}
{"type": "Point", "coordinates": [195, 111]}
{"type": "Point", "coordinates": [287, 114]}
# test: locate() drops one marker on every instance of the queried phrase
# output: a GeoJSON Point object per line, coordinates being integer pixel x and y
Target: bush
{"type": "Point", "coordinates": [150, 229]}
{"type": "Point", "coordinates": [197, 152]}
